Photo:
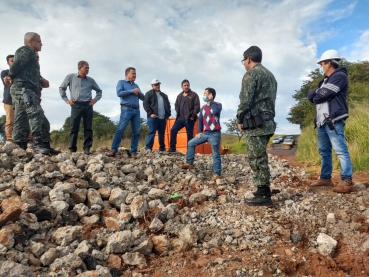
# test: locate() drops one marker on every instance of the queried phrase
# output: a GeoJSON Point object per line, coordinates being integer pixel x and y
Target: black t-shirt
{"type": "Point", "coordinates": [181, 110]}
{"type": "Point", "coordinates": [7, 97]}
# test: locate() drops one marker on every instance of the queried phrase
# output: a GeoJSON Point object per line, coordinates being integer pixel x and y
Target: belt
{"type": "Point", "coordinates": [82, 103]}
{"type": "Point", "coordinates": [130, 106]}
{"type": "Point", "coordinates": [267, 117]}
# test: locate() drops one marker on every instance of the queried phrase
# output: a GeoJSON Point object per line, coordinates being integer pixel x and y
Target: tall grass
{"type": "Point", "coordinates": [356, 131]}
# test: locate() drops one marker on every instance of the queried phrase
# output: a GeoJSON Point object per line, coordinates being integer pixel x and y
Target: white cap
{"type": "Point", "coordinates": [155, 81]}
{"type": "Point", "coordinates": [331, 55]}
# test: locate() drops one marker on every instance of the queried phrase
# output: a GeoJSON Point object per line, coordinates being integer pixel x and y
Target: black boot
{"type": "Point", "coordinates": [22, 145]}
{"type": "Point", "coordinates": [52, 150]}
{"type": "Point", "coordinates": [262, 197]}
{"type": "Point", "coordinates": [258, 192]}
{"type": "Point", "coordinates": [87, 150]}
{"type": "Point", "coordinates": [38, 145]}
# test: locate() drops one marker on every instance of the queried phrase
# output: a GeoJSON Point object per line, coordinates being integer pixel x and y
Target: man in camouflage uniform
{"type": "Point", "coordinates": [24, 75]}
{"type": "Point", "coordinates": [259, 90]}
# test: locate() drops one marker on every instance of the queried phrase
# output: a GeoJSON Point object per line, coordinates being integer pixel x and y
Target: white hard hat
{"type": "Point", "coordinates": [330, 55]}
{"type": "Point", "coordinates": [155, 81]}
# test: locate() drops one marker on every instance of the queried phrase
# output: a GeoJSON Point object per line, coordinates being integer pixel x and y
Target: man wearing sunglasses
{"type": "Point", "coordinates": [258, 95]}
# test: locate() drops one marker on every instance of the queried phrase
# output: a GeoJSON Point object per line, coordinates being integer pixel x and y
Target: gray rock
{"type": "Point", "coordinates": [296, 237]}
{"type": "Point", "coordinates": [170, 211]}
{"type": "Point", "coordinates": [37, 248]}
{"type": "Point", "coordinates": [83, 249]}
{"type": "Point", "coordinates": [359, 187]}
{"type": "Point", "coordinates": [156, 225]}
{"type": "Point", "coordinates": [67, 233]}
{"type": "Point", "coordinates": [30, 220]}
{"type": "Point", "coordinates": [11, 269]}
{"type": "Point", "coordinates": [331, 218]}
{"type": "Point", "coordinates": [157, 194]}
{"type": "Point", "coordinates": [117, 197]}
{"type": "Point", "coordinates": [81, 210]}
{"type": "Point", "coordinates": [138, 207]}
{"type": "Point", "coordinates": [144, 247]}
{"type": "Point", "coordinates": [128, 168]}
{"type": "Point", "coordinates": [56, 195]}
{"type": "Point", "coordinates": [98, 255]}
{"type": "Point", "coordinates": [49, 256]}
{"type": "Point", "coordinates": [188, 234]}
{"type": "Point", "coordinates": [211, 194]}
{"type": "Point", "coordinates": [60, 206]}
{"type": "Point", "coordinates": [70, 263]}
{"type": "Point", "coordinates": [327, 245]}
{"type": "Point", "coordinates": [69, 169]}
{"type": "Point", "coordinates": [95, 218]}
{"type": "Point", "coordinates": [119, 242]}
{"type": "Point", "coordinates": [94, 197]}
{"type": "Point", "coordinates": [198, 198]}
{"type": "Point", "coordinates": [21, 182]}
{"type": "Point", "coordinates": [134, 258]}
{"type": "Point", "coordinates": [65, 187]}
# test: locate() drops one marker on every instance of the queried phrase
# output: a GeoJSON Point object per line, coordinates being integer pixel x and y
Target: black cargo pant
{"type": "Point", "coordinates": [85, 111]}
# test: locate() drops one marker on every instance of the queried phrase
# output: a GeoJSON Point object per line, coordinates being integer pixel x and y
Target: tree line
{"type": "Point", "coordinates": [102, 126]}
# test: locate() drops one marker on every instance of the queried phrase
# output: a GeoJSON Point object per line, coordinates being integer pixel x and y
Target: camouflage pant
{"type": "Point", "coordinates": [28, 118]}
{"type": "Point", "coordinates": [258, 159]}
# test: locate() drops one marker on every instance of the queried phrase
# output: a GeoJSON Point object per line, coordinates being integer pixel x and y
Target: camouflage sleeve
{"type": "Point", "coordinates": [246, 95]}
{"type": "Point", "coordinates": [21, 58]}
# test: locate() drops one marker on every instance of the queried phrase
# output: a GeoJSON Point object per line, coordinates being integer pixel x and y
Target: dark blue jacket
{"type": "Point", "coordinates": [333, 91]}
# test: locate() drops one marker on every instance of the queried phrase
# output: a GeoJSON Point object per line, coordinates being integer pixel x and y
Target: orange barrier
{"type": "Point", "coordinates": [181, 146]}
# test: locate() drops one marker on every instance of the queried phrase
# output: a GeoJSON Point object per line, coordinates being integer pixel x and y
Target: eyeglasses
{"type": "Point", "coordinates": [243, 61]}
{"type": "Point", "coordinates": [156, 84]}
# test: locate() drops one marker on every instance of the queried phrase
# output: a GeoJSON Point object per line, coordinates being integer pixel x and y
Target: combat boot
{"type": "Point", "coordinates": [22, 145]}
{"type": "Point", "coordinates": [52, 150]}
{"type": "Point", "coordinates": [262, 197]}
{"type": "Point", "coordinates": [38, 145]}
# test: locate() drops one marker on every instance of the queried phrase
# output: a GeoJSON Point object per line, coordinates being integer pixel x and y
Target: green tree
{"type": "Point", "coordinates": [232, 128]}
{"type": "Point", "coordinates": [102, 126]}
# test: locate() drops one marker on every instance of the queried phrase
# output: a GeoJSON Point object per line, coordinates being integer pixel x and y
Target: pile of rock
{"type": "Point", "coordinates": [79, 215]}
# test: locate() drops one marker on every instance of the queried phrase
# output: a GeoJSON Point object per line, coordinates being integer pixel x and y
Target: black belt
{"type": "Point", "coordinates": [82, 103]}
{"type": "Point", "coordinates": [267, 117]}
{"type": "Point", "coordinates": [130, 106]}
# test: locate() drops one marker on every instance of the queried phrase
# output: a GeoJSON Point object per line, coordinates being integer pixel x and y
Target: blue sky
{"type": "Point", "coordinates": [200, 40]}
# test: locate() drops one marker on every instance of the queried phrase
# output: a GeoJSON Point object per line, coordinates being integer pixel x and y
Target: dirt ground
{"type": "Point", "coordinates": [223, 261]}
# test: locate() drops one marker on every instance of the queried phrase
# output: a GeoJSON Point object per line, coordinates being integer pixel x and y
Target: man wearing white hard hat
{"type": "Point", "coordinates": [332, 112]}
{"type": "Point", "coordinates": [158, 109]}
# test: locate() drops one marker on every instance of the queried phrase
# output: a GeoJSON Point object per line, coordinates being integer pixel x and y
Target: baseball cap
{"type": "Point", "coordinates": [155, 81]}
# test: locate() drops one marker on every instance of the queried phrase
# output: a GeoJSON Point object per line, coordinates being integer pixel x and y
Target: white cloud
{"type": "Point", "coordinates": [359, 50]}
{"type": "Point", "coordinates": [202, 41]}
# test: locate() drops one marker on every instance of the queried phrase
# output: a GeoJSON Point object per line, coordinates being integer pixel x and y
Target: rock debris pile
{"type": "Point", "coordinates": [79, 215]}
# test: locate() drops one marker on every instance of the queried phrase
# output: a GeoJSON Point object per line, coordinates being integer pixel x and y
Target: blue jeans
{"type": "Point", "coordinates": [214, 139]}
{"type": "Point", "coordinates": [177, 126]}
{"type": "Point", "coordinates": [328, 139]}
{"type": "Point", "coordinates": [156, 124]}
{"type": "Point", "coordinates": [127, 115]}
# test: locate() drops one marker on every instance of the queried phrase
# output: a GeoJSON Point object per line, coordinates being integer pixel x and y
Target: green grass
{"type": "Point", "coordinates": [356, 131]}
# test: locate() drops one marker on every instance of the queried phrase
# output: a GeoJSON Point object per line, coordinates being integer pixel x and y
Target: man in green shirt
{"type": "Point", "coordinates": [24, 76]}
{"type": "Point", "coordinates": [258, 94]}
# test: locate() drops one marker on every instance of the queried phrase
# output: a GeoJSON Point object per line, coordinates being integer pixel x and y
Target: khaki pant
{"type": "Point", "coordinates": [9, 115]}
